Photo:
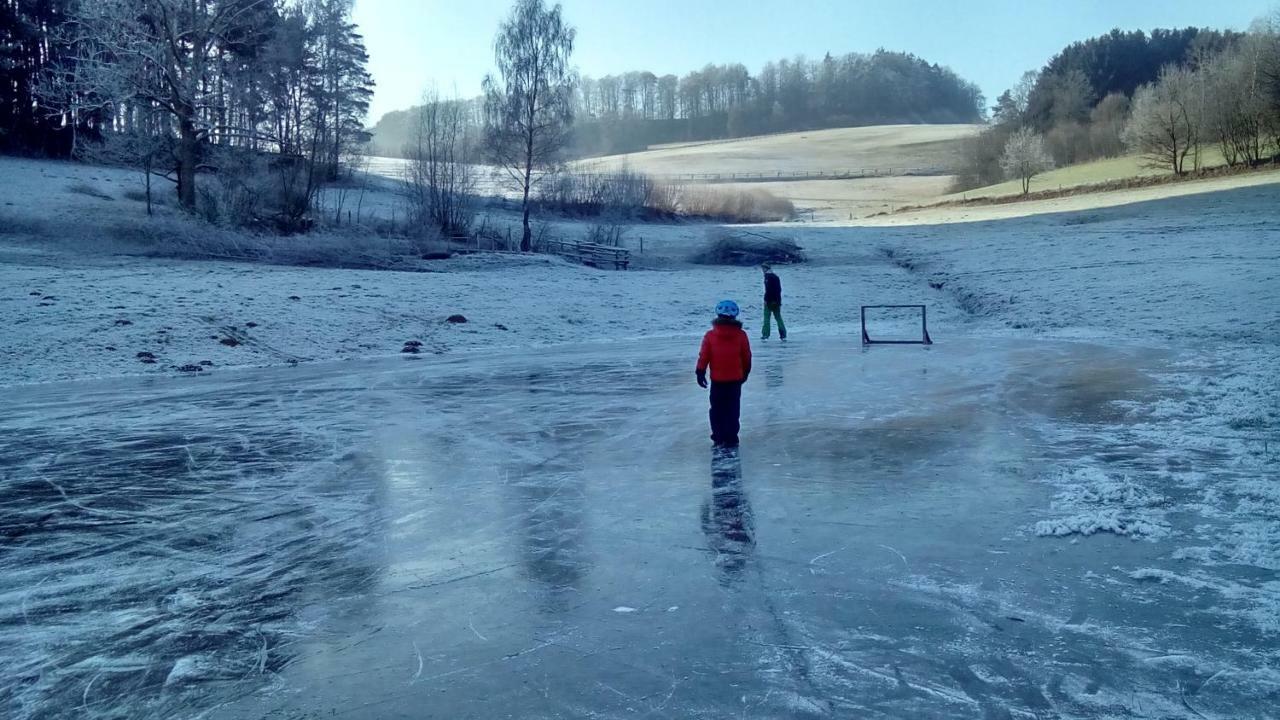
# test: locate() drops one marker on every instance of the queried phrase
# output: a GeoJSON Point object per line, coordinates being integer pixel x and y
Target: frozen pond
{"type": "Point", "coordinates": [548, 534]}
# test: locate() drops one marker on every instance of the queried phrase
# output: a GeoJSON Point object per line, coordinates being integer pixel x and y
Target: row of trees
{"type": "Point", "coordinates": [1229, 101]}
{"type": "Point", "coordinates": [630, 111]}
{"type": "Point", "coordinates": [1166, 95]}
{"type": "Point", "coordinates": [179, 86]}
{"type": "Point", "coordinates": [633, 110]}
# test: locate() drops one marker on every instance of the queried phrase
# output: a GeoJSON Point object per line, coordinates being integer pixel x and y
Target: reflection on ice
{"type": "Point", "coordinates": [726, 518]}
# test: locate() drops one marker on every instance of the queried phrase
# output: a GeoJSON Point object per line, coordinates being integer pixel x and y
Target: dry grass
{"type": "Point", "coordinates": [84, 188]}
{"type": "Point", "coordinates": [735, 205]}
{"type": "Point", "coordinates": [627, 194]}
{"type": "Point", "coordinates": [24, 226]}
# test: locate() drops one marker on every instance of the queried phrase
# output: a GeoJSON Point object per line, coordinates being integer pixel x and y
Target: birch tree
{"type": "Point", "coordinates": [528, 104]}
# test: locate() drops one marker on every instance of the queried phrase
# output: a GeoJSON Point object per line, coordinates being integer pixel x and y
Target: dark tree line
{"type": "Point", "coordinates": [621, 113]}
{"type": "Point", "coordinates": [173, 85]}
{"type": "Point", "coordinates": [26, 46]}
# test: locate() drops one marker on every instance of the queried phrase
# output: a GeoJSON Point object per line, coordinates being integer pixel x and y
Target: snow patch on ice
{"type": "Point", "coordinates": [1102, 521]}
{"type": "Point", "coordinates": [1101, 503]}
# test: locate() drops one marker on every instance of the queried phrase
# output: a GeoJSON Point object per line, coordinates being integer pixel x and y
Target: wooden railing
{"type": "Point", "coordinates": [590, 253]}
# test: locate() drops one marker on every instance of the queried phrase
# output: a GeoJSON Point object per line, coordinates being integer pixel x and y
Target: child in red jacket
{"type": "Point", "coordinates": [727, 351]}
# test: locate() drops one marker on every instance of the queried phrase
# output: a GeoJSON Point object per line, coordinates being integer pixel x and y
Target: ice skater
{"type": "Point", "coordinates": [726, 349]}
{"type": "Point", "coordinates": [772, 302]}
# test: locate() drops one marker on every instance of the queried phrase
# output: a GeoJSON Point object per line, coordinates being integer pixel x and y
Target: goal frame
{"type": "Point", "coordinates": [924, 325]}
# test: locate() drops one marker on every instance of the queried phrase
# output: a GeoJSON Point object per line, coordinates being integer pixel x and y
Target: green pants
{"type": "Point", "coordinates": [771, 311]}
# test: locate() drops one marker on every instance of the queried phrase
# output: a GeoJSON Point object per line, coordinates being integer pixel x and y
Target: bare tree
{"type": "Point", "coordinates": [1238, 114]}
{"type": "Point", "coordinates": [158, 54]}
{"type": "Point", "coordinates": [529, 104]}
{"type": "Point", "coordinates": [1025, 157]}
{"type": "Point", "coordinates": [138, 147]}
{"type": "Point", "coordinates": [1165, 124]}
{"type": "Point", "coordinates": [441, 170]}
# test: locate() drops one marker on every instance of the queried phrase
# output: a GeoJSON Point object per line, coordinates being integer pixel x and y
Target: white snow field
{"type": "Point", "coordinates": [1067, 507]}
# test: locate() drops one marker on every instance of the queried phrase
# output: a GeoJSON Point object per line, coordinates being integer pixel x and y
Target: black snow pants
{"type": "Point", "coordinates": [726, 405]}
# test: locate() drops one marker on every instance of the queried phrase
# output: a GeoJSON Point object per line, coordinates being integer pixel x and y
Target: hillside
{"type": "Point", "coordinates": [885, 149]}
{"type": "Point", "coordinates": [944, 213]}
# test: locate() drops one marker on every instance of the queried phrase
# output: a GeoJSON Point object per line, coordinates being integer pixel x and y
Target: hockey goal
{"type": "Point", "coordinates": [895, 325]}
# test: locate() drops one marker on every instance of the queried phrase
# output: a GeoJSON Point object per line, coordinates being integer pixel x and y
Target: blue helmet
{"type": "Point", "coordinates": [727, 308]}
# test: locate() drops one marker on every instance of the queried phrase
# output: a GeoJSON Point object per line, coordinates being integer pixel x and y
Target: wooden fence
{"type": "Point", "coordinates": [590, 253]}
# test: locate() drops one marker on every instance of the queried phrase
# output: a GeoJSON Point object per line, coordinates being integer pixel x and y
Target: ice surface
{"type": "Point", "coordinates": [550, 535]}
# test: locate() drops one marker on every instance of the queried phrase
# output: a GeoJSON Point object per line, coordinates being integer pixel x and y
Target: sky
{"type": "Point", "coordinates": [416, 44]}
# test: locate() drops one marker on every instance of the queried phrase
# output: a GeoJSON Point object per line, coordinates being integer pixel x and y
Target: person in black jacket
{"type": "Point", "coordinates": [772, 302]}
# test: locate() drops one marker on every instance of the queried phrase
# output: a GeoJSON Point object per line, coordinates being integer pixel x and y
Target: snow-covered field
{"type": "Point", "coordinates": [1068, 507]}
{"type": "Point", "coordinates": [883, 148]}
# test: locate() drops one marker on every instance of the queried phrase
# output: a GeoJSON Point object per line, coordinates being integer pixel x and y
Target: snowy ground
{"type": "Point", "coordinates": [1067, 507]}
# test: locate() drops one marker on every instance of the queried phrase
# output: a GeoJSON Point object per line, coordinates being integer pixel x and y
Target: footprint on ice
{"type": "Point", "coordinates": [624, 609]}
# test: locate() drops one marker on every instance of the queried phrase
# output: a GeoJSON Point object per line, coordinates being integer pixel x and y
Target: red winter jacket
{"type": "Point", "coordinates": [727, 350]}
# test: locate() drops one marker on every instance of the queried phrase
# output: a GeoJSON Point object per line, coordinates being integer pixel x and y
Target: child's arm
{"type": "Point", "coordinates": [746, 356]}
{"type": "Point", "coordinates": [704, 359]}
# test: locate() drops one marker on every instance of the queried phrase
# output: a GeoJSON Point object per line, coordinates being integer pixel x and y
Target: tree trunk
{"type": "Point", "coordinates": [147, 170]}
{"type": "Point", "coordinates": [188, 156]}
{"type": "Point", "coordinates": [526, 240]}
